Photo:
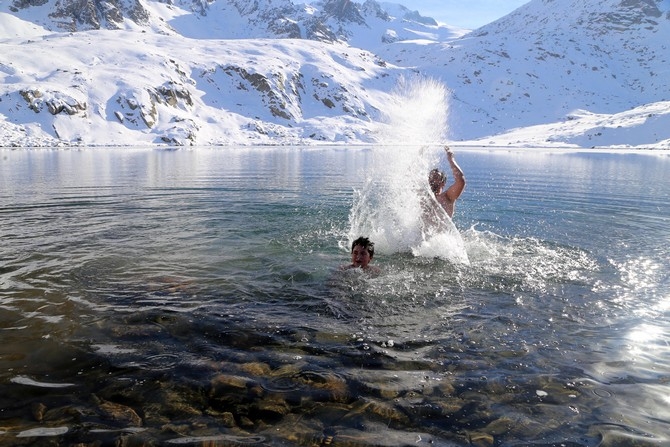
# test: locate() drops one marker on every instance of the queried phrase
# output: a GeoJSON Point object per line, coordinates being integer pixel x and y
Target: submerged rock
{"type": "Point", "coordinates": [119, 413]}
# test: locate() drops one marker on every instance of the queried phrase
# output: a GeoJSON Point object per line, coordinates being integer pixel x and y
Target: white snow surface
{"type": "Point", "coordinates": [569, 73]}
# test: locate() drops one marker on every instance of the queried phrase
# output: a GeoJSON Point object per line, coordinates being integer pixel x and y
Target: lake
{"type": "Point", "coordinates": [194, 297]}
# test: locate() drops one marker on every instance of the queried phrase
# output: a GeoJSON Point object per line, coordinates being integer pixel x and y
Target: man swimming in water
{"type": "Point", "coordinates": [437, 180]}
{"type": "Point", "coordinates": [362, 252]}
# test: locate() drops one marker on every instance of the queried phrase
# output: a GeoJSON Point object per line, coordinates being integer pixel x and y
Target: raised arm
{"type": "Point", "coordinates": [455, 190]}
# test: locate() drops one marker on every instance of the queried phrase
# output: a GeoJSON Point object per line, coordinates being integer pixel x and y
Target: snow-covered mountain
{"type": "Point", "coordinates": [556, 62]}
{"type": "Point", "coordinates": [327, 21]}
{"type": "Point", "coordinates": [137, 72]}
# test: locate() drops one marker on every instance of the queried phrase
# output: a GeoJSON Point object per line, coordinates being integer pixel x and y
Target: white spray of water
{"type": "Point", "coordinates": [389, 208]}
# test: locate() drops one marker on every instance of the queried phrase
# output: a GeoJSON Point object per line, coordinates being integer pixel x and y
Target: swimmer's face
{"type": "Point", "coordinates": [360, 257]}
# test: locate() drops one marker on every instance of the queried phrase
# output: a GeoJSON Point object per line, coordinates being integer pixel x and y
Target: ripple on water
{"type": "Point", "coordinates": [159, 362]}
{"type": "Point", "coordinates": [602, 393]}
{"type": "Point", "coordinates": [318, 385]}
{"type": "Point", "coordinates": [213, 440]}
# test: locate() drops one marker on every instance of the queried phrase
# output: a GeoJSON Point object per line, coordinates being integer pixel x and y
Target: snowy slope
{"type": "Point", "coordinates": [644, 127]}
{"type": "Point", "coordinates": [127, 72]}
{"type": "Point", "coordinates": [131, 88]}
{"type": "Point", "coordinates": [549, 59]}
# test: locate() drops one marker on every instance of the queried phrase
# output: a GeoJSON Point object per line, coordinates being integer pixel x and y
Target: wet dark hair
{"type": "Point", "coordinates": [435, 177]}
{"type": "Point", "coordinates": [365, 243]}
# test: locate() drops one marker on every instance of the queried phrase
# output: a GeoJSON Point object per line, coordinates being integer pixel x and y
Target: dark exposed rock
{"type": "Point", "coordinates": [81, 15]}
{"type": "Point", "coordinates": [343, 10]}
{"type": "Point", "coordinates": [55, 102]}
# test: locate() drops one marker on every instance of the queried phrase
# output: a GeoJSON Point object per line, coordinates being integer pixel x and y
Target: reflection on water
{"type": "Point", "coordinates": [193, 298]}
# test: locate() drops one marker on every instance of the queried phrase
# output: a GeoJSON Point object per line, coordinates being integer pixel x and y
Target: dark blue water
{"type": "Point", "coordinates": [155, 297]}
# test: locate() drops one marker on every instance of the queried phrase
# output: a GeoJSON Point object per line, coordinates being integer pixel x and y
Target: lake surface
{"type": "Point", "coordinates": [193, 297]}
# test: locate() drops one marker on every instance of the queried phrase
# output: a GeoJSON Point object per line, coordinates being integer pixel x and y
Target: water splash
{"type": "Point", "coordinates": [416, 115]}
{"type": "Point", "coordinates": [395, 207]}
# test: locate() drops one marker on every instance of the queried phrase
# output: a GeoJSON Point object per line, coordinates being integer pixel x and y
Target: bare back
{"type": "Point", "coordinates": [446, 203]}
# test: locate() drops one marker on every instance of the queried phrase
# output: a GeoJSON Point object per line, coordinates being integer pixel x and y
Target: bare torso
{"type": "Point", "coordinates": [447, 197]}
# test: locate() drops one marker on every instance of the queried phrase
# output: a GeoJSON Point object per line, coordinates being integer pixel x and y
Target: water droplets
{"type": "Point", "coordinates": [391, 206]}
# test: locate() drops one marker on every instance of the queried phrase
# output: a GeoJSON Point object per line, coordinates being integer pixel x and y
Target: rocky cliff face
{"type": "Point", "coordinates": [80, 15]}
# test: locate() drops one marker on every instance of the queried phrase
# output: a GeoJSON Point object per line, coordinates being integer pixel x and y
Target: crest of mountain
{"type": "Point", "coordinates": [82, 14]}
{"type": "Point", "coordinates": [367, 24]}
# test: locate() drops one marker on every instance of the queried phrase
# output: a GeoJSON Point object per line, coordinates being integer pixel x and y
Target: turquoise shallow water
{"type": "Point", "coordinates": [158, 297]}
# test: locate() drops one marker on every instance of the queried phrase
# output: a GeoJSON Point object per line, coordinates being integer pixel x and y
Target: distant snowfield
{"type": "Point", "coordinates": [644, 127]}
{"type": "Point", "coordinates": [137, 88]}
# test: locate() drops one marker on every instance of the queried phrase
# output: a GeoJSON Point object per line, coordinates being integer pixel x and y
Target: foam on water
{"type": "Point", "coordinates": [395, 207]}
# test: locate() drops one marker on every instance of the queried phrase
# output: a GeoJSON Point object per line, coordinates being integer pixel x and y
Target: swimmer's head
{"type": "Point", "coordinates": [436, 180]}
{"type": "Point", "coordinates": [362, 251]}
{"type": "Point", "coordinates": [366, 243]}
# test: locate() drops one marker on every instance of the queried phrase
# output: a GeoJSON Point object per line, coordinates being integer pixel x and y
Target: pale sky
{"type": "Point", "coordinates": [467, 14]}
